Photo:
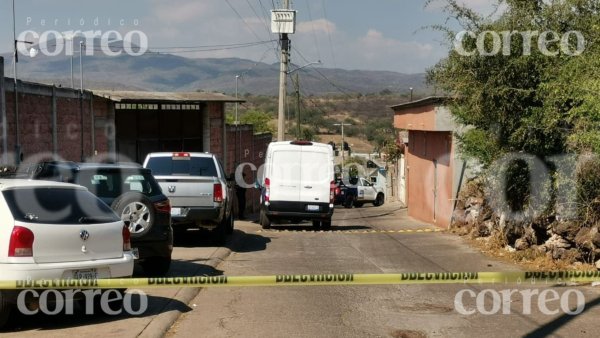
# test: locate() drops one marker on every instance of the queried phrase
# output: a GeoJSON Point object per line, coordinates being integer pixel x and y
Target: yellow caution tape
{"type": "Point", "coordinates": [314, 279]}
{"type": "Point", "coordinates": [401, 231]}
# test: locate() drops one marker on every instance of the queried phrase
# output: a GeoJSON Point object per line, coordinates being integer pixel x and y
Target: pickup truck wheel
{"type": "Point", "coordinates": [349, 201]}
{"type": "Point", "coordinates": [264, 220]}
{"type": "Point", "coordinates": [220, 233]}
{"type": "Point", "coordinates": [230, 225]}
{"type": "Point", "coordinates": [379, 200]}
{"type": "Point", "coordinates": [358, 204]}
{"type": "Point", "coordinates": [137, 211]}
{"type": "Point", "coordinates": [156, 266]}
{"type": "Point", "coordinates": [326, 225]}
{"type": "Point", "coordinates": [5, 308]}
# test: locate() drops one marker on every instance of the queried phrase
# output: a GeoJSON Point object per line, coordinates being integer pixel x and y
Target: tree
{"type": "Point", "coordinates": [520, 102]}
{"type": "Point", "coordinates": [537, 93]}
{"type": "Point", "coordinates": [260, 120]}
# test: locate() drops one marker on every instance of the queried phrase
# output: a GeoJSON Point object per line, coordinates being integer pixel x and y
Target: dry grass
{"type": "Point", "coordinates": [531, 259]}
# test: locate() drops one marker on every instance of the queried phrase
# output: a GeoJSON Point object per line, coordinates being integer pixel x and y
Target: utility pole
{"type": "Point", "coordinates": [283, 22]}
{"type": "Point", "coordinates": [284, 42]}
{"type": "Point", "coordinates": [343, 150]}
{"type": "Point", "coordinates": [16, 59]}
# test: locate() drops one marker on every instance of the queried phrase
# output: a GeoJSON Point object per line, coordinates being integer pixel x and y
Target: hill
{"type": "Point", "coordinates": [167, 72]}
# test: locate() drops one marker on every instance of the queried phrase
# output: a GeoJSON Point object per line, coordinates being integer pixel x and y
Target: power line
{"type": "Point", "coordinates": [313, 29]}
{"type": "Point", "coordinates": [243, 20]}
{"type": "Point", "coordinates": [329, 34]}
{"type": "Point", "coordinates": [345, 91]}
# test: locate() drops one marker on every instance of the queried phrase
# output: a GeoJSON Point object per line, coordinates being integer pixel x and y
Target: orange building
{"type": "Point", "coordinates": [431, 173]}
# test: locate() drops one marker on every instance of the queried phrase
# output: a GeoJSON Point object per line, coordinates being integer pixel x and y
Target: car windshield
{"type": "Point", "coordinates": [57, 206]}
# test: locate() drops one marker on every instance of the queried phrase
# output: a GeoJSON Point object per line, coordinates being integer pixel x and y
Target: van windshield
{"type": "Point", "coordinates": [192, 166]}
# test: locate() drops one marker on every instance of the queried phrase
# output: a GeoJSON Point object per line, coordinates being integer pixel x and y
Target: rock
{"type": "Point", "coordinates": [595, 234]}
{"type": "Point", "coordinates": [476, 202]}
{"type": "Point", "coordinates": [485, 229]}
{"type": "Point", "coordinates": [557, 242]}
{"type": "Point", "coordinates": [568, 230]}
{"type": "Point", "coordinates": [583, 239]}
{"type": "Point", "coordinates": [521, 244]}
{"type": "Point", "coordinates": [471, 216]}
{"type": "Point", "coordinates": [598, 264]}
{"type": "Point", "coordinates": [559, 253]}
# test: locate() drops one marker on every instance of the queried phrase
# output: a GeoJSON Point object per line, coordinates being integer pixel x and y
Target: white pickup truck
{"type": "Point", "coordinates": [368, 193]}
{"type": "Point", "coordinates": [200, 194]}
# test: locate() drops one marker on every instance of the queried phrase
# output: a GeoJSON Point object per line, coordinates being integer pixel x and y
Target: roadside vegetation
{"type": "Point", "coordinates": [526, 108]}
{"type": "Point", "coordinates": [370, 115]}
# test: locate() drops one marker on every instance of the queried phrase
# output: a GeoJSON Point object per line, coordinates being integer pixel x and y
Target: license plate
{"type": "Point", "coordinates": [312, 207]}
{"type": "Point", "coordinates": [85, 274]}
{"type": "Point", "coordinates": [175, 211]}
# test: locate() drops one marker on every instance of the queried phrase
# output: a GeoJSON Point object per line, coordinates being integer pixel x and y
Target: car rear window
{"type": "Point", "coordinates": [57, 206]}
{"type": "Point", "coordinates": [113, 183]}
{"type": "Point", "coordinates": [192, 166]}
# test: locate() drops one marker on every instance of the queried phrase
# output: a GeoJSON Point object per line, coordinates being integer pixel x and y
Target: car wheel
{"type": "Point", "coordinates": [265, 222]}
{"type": "Point", "coordinates": [326, 224]}
{"type": "Point", "coordinates": [316, 224]}
{"type": "Point", "coordinates": [358, 204]}
{"type": "Point", "coordinates": [156, 266]}
{"type": "Point", "coordinates": [137, 211]}
{"type": "Point", "coordinates": [349, 201]}
{"type": "Point", "coordinates": [379, 200]}
{"type": "Point", "coordinates": [5, 308]}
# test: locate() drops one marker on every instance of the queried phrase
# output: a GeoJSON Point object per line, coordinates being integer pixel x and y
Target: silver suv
{"type": "Point", "coordinates": [200, 194]}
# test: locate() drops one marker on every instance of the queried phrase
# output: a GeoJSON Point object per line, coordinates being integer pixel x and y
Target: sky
{"type": "Point", "coordinates": [387, 35]}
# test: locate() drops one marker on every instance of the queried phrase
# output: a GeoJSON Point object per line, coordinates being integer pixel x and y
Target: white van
{"type": "Point", "coordinates": [297, 183]}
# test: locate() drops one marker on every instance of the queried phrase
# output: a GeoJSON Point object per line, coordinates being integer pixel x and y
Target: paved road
{"type": "Point", "coordinates": [365, 240]}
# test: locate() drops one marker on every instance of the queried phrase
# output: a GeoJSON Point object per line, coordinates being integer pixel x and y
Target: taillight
{"type": "Point", "coordinates": [332, 188]}
{"type": "Point", "coordinates": [181, 155]}
{"type": "Point", "coordinates": [267, 189]}
{"type": "Point", "coordinates": [218, 193]}
{"type": "Point", "coordinates": [163, 206]}
{"type": "Point", "coordinates": [126, 239]}
{"type": "Point", "coordinates": [21, 242]}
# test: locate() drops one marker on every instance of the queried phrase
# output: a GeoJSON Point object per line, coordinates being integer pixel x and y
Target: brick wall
{"type": "Point", "coordinates": [35, 122]}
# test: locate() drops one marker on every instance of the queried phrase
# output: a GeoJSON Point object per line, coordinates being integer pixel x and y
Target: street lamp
{"type": "Point", "coordinates": [343, 150]}
{"type": "Point", "coordinates": [71, 38]}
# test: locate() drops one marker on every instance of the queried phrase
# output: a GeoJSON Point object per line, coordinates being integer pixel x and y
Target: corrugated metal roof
{"type": "Point", "coordinates": [125, 96]}
{"type": "Point", "coordinates": [432, 100]}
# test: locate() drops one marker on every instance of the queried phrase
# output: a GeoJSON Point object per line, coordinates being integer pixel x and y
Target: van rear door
{"type": "Point", "coordinates": [285, 173]}
{"type": "Point", "coordinates": [316, 175]}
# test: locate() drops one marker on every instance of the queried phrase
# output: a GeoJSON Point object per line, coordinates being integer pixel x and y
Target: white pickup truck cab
{"type": "Point", "coordinates": [297, 183]}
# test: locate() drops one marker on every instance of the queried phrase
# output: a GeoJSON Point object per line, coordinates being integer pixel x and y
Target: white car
{"type": "Point", "coordinates": [51, 230]}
